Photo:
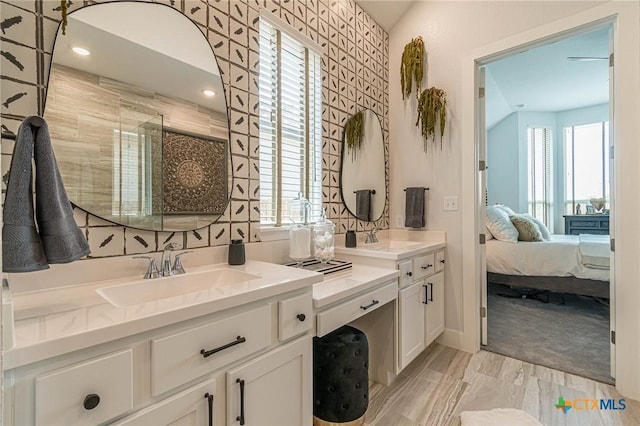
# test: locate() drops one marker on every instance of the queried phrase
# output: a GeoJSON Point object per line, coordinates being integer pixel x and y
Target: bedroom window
{"type": "Point", "coordinates": [586, 165]}
{"type": "Point", "coordinates": [290, 146]}
{"type": "Point", "coordinates": [539, 174]}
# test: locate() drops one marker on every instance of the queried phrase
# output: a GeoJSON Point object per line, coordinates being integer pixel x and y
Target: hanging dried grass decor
{"type": "Point", "coordinates": [411, 66]}
{"type": "Point", "coordinates": [432, 110]}
{"type": "Point", "coordinates": [64, 11]}
{"type": "Point", "coordinates": [353, 132]}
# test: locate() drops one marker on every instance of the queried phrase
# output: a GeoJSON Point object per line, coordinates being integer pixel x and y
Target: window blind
{"type": "Point", "coordinates": [540, 180]}
{"type": "Point", "coordinates": [290, 127]}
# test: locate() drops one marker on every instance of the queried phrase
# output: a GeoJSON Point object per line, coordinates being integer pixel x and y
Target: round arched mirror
{"type": "Point", "coordinates": [362, 171]}
{"type": "Point", "coordinates": [138, 117]}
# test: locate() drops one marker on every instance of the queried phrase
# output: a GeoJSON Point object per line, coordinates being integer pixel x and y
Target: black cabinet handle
{"type": "Point", "coordinates": [373, 302]}
{"type": "Point", "coordinates": [301, 317]}
{"type": "Point", "coordinates": [427, 266]}
{"type": "Point", "coordinates": [91, 401]}
{"type": "Point", "coordinates": [410, 273]}
{"type": "Point", "coordinates": [210, 402]}
{"type": "Point", "coordinates": [442, 261]}
{"type": "Point", "coordinates": [240, 418]}
{"type": "Point", "coordinates": [426, 294]}
{"type": "Point", "coordinates": [238, 340]}
{"type": "Point", "coordinates": [431, 288]}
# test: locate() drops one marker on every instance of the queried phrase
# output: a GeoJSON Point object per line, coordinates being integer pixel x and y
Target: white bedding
{"type": "Point", "coordinates": [559, 257]}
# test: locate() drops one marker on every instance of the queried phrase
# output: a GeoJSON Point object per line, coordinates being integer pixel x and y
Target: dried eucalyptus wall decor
{"type": "Point", "coordinates": [353, 132]}
{"type": "Point", "coordinates": [411, 66]}
{"type": "Point", "coordinates": [432, 110]}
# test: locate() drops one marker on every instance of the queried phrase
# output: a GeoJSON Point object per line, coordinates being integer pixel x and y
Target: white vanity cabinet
{"type": "Point", "coordinates": [184, 373]}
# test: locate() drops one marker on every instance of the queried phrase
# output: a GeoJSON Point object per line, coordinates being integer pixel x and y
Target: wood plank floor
{"type": "Point", "coordinates": [443, 382]}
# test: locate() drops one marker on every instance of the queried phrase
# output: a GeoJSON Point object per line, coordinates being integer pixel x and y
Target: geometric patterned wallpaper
{"type": "Point", "coordinates": [355, 74]}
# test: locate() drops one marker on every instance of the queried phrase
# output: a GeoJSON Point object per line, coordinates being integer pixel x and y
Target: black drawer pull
{"type": "Point", "coordinates": [301, 317]}
{"type": "Point", "coordinates": [240, 418]}
{"type": "Point", "coordinates": [431, 288]}
{"type": "Point", "coordinates": [222, 348]}
{"type": "Point", "coordinates": [91, 401]}
{"type": "Point", "coordinates": [373, 303]}
{"type": "Point", "coordinates": [410, 273]}
{"type": "Point", "coordinates": [442, 261]}
{"type": "Point", "coordinates": [210, 402]}
{"type": "Point", "coordinates": [426, 294]}
{"type": "Point", "coordinates": [427, 266]}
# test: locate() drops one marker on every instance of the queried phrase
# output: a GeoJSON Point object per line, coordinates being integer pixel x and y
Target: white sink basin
{"type": "Point", "coordinates": [143, 291]}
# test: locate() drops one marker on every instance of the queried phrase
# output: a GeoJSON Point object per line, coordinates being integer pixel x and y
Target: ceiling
{"type": "Point", "coordinates": [543, 79]}
{"type": "Point", "coordinates": [385, 12]}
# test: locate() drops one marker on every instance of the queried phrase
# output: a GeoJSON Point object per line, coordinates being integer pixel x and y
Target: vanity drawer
{"type": "Point", "coordinates": [184, 356]}
{"type": "Point", "coordinates": [348, 311]}
{"type": "Point", "coordinates": [423, 266]}
{"type": "Point", "coordinates": [406, 273]}
{"type": "Point", "coordinates": [439, 264]}
{"type": "Point", "coordinates": [88, 393]}
{"type": "Point", "coordinates": [295, 316]}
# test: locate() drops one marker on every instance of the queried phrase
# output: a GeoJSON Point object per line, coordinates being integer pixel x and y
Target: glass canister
{"type": "Point", "coordinates": [323, 234]}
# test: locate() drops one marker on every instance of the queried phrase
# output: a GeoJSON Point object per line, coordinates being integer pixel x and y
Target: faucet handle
{"type": "Point", "coordinates": [177, 262]}
{"type": "Point", "coordinates": [152, 270]}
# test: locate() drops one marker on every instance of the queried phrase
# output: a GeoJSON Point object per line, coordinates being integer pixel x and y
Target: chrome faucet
{"type": "Point", "coordinates": [152, 269]}
{"type": "Point", "coordinates": [165, 260]}
{"type": "Point", "coordinates": [177, 263]}
{"type": "Point", "coordinates": [371, 236]}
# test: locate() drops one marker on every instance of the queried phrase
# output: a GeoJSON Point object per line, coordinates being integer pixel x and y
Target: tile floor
{"type": "Point", "coordinates": [443, 382]}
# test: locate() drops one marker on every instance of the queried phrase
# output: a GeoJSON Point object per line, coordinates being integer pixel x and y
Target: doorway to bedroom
{"type": "Point", "coordinates": [547, 195]}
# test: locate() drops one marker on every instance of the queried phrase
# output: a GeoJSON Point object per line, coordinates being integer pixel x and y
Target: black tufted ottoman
{"type": "Point", "coordinates": [340, 377]}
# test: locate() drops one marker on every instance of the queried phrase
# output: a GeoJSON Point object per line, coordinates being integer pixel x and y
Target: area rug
{"type": "Point", "coordinates": [498, 417]}
{"type": "Point", "coordinates": [570, 333]}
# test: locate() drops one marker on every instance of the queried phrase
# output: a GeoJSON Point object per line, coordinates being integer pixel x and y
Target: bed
{"type": "Point", "coordinates": [576, 264]}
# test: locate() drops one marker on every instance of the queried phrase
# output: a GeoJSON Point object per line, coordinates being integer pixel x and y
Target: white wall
{"type": "Point", "coordinates": [449, 29]}
{"type": "Point", "coordinates": [458, 35]}
{"type": "Point", "coordinates": [503, 174]}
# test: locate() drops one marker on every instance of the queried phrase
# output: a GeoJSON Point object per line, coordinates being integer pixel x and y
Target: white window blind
{"type": "Point", "coordinates": [290, 126]}
{"type": "Point", "coordinates": [539, 170]}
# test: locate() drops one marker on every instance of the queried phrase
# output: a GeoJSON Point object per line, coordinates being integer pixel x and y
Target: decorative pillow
{"type": "Point", "coordinates": [488, 235]}
{"type": "Point", "coordinates": [546, 235]}
{"type": "Point", "coordinates": [527, 228]}
{"type": "Point", "coordinates": [500, 225]}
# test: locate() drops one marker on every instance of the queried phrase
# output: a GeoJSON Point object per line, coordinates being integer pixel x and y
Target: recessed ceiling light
{"type": "Point", "coordinates": [208, 92]}
{"type": "Point", "coordinates": [81, 51]}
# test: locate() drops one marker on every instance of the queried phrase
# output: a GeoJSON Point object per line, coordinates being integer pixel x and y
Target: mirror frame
{"type": "Point", "coordinates": [343, 153]}
{"type": "Point", "coordinates": [228, 166]}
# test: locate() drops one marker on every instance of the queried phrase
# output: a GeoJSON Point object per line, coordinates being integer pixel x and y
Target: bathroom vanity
{"type": "Point", "coordinates": [234, 353]}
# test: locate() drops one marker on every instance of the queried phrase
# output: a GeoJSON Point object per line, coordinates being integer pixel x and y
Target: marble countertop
{"type": "Point", "coordinates": [392, 249]}
{"type": "Point", "coordinates": [53, 322]}
{"type": "Point", "coordinates": [354, 281]}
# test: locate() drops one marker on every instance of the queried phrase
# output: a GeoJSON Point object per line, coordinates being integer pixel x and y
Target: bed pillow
{"type": "Point", "coordinates": [500, 225]}
{"type": "Point", "coordinates": [505, 208]}
{"type": "Point", "coordinates": [488, 235]}
{"type": "Point", "coordinates": [546, 235]}
{"type": "Point", "coordinates": [527, 229]}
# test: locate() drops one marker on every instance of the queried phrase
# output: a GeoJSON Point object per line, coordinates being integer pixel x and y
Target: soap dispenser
{"type": "Point", "coordinates": [323, 233]}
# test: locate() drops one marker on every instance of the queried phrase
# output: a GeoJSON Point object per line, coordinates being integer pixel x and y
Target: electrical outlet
{"type": "Point", "coordinates": [451, 203]}
{"type": "Point", "coordinates": [399, 221]}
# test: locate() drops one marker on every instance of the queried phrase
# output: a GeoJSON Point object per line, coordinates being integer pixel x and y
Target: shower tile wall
{"type": "Point", "coordinates": [355, 74]}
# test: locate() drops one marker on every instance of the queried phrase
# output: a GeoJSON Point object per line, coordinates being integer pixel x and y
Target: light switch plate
{"type": "Point", "coordinates": [451, 203]}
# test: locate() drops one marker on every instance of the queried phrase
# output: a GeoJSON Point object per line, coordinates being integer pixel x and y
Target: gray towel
{"type": "Point", "coordinates": [59, 240]}
{"type": "Point", "coordinates": [414, 209]}
{"type": "Point", "coordinates": [363, 204]}
{"type": "Point", "coordinates": [21, 246]}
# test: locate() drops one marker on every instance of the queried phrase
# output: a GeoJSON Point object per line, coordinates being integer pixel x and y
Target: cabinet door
{"type": "Point", "coordinates": [411, 317]}
{"type": "Point", "coordinates": [435, 307]}
{"type": "Point", "coordinates": [274, 389]}
{"type": "Point", "coordinates": [194, 406]}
